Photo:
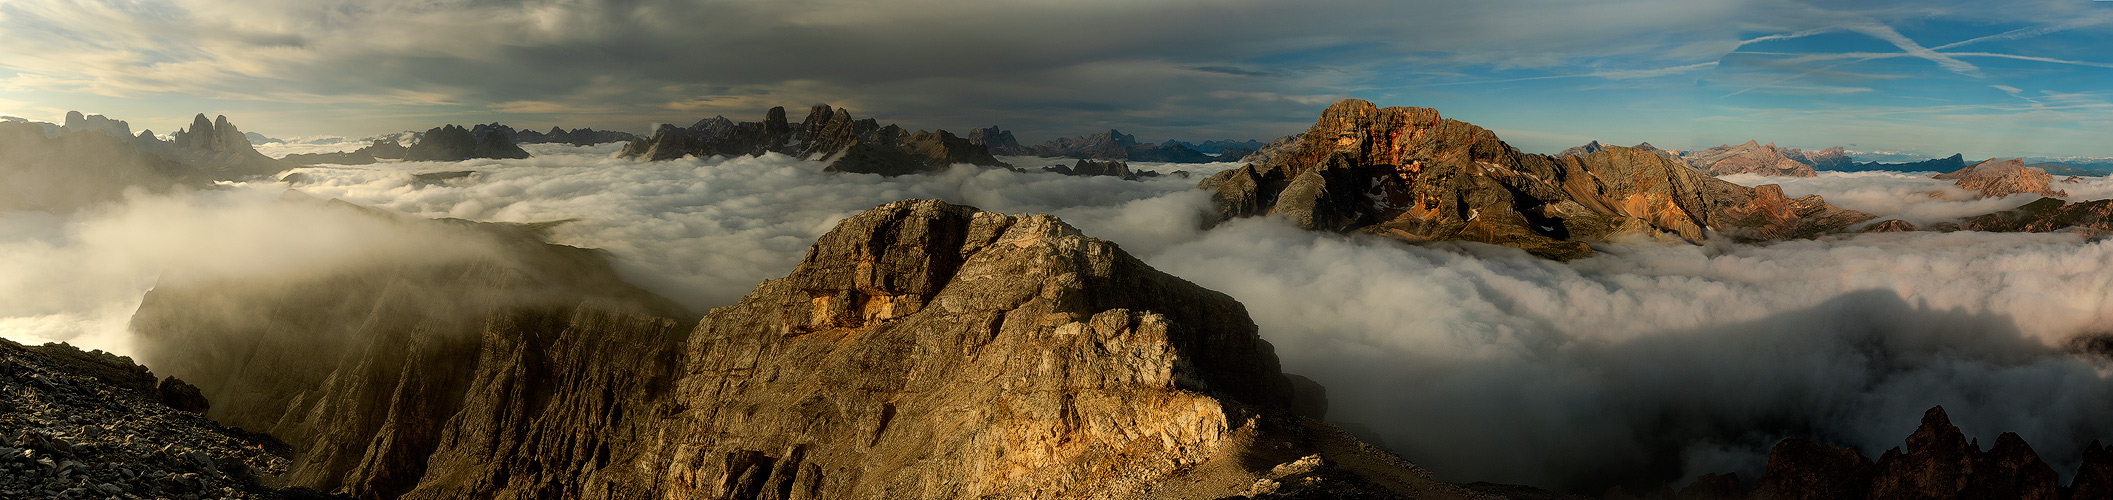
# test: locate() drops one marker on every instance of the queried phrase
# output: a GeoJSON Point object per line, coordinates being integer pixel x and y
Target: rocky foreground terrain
{"type": "Point", "coordinates": [849, 145]}
{"type": "Point", "coordinates": [1407, 173]}
{"type": "Point", "coordinates": [77, 424]}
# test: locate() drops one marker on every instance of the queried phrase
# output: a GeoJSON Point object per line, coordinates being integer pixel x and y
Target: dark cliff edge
{"type": "Point", "coordinates": [1408, 174]}
{"type": "Point", "coordinates": [920, 350]}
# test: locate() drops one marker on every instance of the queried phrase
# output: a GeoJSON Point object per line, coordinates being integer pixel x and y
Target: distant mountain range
{"type": "Point", "coordinates": [1771, 160]}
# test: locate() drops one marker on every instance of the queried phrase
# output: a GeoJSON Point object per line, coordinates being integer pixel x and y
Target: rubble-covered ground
{"type": "Point", "coordinates": [77, 424]}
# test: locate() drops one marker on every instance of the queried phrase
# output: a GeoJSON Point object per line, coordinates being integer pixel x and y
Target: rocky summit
{"type": "Point", "coordinates": [1996, 178]}
{"type": "Point", "coordinates": [454, 143]}
{"type": "Point", "coordinates": [1751, 158]}
{"type": "Point", "coordinates": [920, 350]}
{"type": "Point", "coordinates": [827, 134]}
{"type": "Point", "coordinates": [1407, 173]}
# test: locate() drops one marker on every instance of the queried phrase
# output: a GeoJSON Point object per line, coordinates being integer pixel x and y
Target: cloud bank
{"type": "Point", "coordinates": [1914, 197]}
{"type": "Point", "coordinates": [1647, 363]}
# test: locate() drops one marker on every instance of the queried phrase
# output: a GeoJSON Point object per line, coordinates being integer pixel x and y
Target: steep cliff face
{"type": "Point", "coordinates": [365, 369]}
{"type": "Point", "coordinates": [1409, 174]}
{"type": "Point", "coordinates": [218, 148]}
{"type": "Point", "coordinates": [920, 350]}
{"type": "Point", "coordinates": [851, 145]}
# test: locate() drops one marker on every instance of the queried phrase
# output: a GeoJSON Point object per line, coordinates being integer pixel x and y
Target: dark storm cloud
{"type": "Point", "coordinates": [1034, 66]}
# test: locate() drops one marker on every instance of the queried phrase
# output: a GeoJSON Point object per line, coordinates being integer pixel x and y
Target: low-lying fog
{"type": "Point", "coordinates": [1478, 362]}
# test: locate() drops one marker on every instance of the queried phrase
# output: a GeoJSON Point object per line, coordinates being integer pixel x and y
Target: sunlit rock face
{"type": "Point", "coordinates": [1409, 174]}
{"type": "Point", "coordinates": [1994, 178]}
{"type": "Point", "coordinates": [1762, 159]}
{"type": "Point", "coordinates": [920, 350]}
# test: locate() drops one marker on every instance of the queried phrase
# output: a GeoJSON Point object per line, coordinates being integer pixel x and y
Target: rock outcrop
{"type": "Point", "coordinates": [850, 145]}
{"type": "Point", "coordinates": [1234, 154]}
{"type": "Point", "coordinates": [1937, 463]}
{"type": "Point", "coordinates": [1995, 178]}
{"type": "Point", "coordinates": [82, 424]}
{"type": "Point", "coordinates": [998, 141]}
{"type": "Point", "coordinates": [920, 350]}
{"type": "Point", "coordinates": [1406, 173]}
{"type": "Point", "coordinates": [1750, 158]}
{"type": "Point", "coordinates": [1890, 226]}
{"type": "Point", "coordinates": [218, 148]}
{"type": "Point", "coordinates": [81, 168]}
{"type": "Point", "coordinates": [454, 143]}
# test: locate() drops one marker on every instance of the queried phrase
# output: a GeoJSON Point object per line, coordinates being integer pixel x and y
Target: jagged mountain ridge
{"type": "Point", "coordinates": [850, 145]}
{"type": "Point", "coordinates": [1755, 158]}
{"type": "Point", "coordinates": [576, 137]}
{"type": "Point", "coordinates": [76, 169]}
{"type": "Point", "coordinates": [213, 146]}
{"type": "Point", "coordinates": [1938, 462]}
{"type": "Point", "coordinates": [1406, 173]}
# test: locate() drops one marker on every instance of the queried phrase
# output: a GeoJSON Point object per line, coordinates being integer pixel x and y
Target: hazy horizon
{"type": "Point", "coordinates": [1927, 77]}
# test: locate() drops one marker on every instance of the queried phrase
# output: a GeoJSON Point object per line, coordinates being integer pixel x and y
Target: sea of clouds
{"type": "Point", "coordinates": [1478, 362]}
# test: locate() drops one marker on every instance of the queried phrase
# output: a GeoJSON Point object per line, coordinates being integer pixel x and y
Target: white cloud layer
{"type": "Point", "coordinates": [1914, 197]}
{"type": "Point", "coordinates": [1479, 362]}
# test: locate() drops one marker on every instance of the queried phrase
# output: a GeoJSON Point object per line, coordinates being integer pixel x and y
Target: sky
{"type": "Point", "coordinates": [1931, 77]}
